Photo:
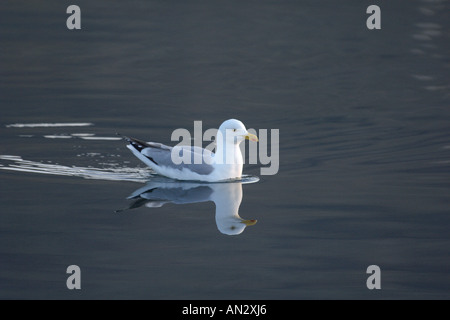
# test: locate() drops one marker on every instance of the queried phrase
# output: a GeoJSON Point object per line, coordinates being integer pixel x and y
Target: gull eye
{"type": "Point", "coordinates": [234, 130]}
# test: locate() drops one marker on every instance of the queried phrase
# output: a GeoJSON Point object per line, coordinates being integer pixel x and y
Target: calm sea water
{"type": "Point", "coordinates": [364, 149]}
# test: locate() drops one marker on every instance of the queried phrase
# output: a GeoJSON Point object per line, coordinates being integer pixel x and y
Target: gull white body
{"type": "Point", "coordinates": [225, 164]}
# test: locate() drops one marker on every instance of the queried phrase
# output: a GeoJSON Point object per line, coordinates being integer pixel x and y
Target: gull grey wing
{"type": "Point", "coordinates": [162, 156]}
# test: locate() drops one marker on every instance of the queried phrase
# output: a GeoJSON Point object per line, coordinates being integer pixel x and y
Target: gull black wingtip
{"type": "Point", "coordinates": [127, 139]}
{"type": "Point", "coordinates": [139, 145]}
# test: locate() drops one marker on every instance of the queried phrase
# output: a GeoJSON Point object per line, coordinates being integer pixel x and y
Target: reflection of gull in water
{"type": "Point", "coordinates": [226, 196]}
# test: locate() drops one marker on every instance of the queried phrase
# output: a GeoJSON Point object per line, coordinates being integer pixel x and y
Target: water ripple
{"type": "Point", "coordinates": [49, 125]}
{"type": "Point", "coordinates": [16, 163]}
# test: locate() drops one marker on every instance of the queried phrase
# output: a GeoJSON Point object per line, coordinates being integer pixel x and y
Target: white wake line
{"type": "Point", "coordinates": [84, 137]}
{"type": "Point", "coordinates": [115, 174]}
{"type": "Point", "coordinates": [46, 125]}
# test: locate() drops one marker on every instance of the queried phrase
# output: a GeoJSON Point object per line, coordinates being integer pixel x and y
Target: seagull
{"type": "Point", "coordinates": [181, 162]}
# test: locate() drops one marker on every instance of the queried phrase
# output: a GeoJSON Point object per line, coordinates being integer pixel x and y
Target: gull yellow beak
{"type": "Point", "coordinates": [251, 137]}
{"type": "Point", "coordinates": [249, 222]}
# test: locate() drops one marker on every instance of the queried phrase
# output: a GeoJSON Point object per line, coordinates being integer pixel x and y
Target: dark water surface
{"type": "Point", "coordinates": [364, 147]}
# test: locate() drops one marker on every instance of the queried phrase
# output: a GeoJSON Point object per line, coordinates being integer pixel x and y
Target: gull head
{"type": "Point", "coordinates": [235, 132]}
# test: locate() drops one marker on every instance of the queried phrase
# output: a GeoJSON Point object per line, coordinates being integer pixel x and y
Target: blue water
{"type": "Point", "coordinates": [364, 149]}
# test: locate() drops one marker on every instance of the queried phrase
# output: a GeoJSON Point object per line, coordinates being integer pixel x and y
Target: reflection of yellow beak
{"type": "Point", "coordinates": [251, 137]}
{"type": "Point", "coordinates": [249, 222]}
